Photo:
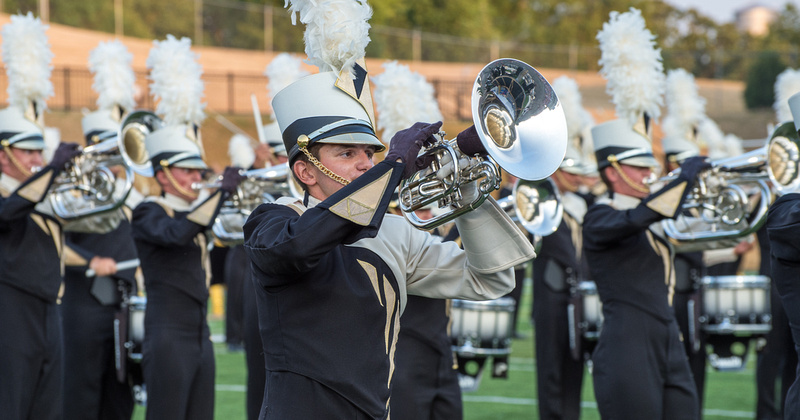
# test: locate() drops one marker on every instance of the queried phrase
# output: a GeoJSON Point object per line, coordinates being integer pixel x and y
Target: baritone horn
{"type": "Point", "coordinates": [731, 200]}
{"type": "Point", "coordinates": [92, 183]}
{"type": "Point", "coordinates": [522, 130]}
{"type": "Point", "coordinates": [535, 206]}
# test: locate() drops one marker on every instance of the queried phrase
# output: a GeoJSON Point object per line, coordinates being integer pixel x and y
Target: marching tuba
{"type": "Point", "coordinates": [522, 130]}
{"type": "Point", "coordinates": [731, 199]}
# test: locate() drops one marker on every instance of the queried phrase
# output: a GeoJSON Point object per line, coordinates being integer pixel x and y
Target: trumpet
{"type": "Point", "coordinates": [522, 130]}
{"type": "Point", "coordinates": [731, 200]}
{"type": "Point", "coordinates": [535, 206]}
{"type": "Point", "coordinates": [89, 185]}
{"type": "Point", "coordinates": [259, 186]}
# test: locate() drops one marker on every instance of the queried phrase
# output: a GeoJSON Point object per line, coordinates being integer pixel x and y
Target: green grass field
{"type": "Point", "coordinates": [729, 395]}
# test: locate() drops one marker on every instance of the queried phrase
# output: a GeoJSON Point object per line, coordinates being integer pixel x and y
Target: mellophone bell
{"type": "Point", "coordinates": [522, 130]}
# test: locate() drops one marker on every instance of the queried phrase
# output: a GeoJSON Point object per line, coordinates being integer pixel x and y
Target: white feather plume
{"type": "Point", "coordinates": [177, 85]}
{"type": "Point", "coordinates": [709, 133]}
{"type": "Point", "coordinates": [337, 32]}
{"type": "Point", "coordinates": [786, 85]}
{"type": "Point", "coordinates": [733, 144]}
{"type": "Point", "coordinates": [403, 97]}
{"type": "Point", "coordinates": [27, 57]}
{"type": "Point", "coordinates": [569, 96]}
{"type": "Point", "coordinates": [282, 71]}
{"type": "Point", "coordinates": [685, 107]}
{"type": "Point", "coordinates": [114, 80]}
{"type": "Point", "coordinates": [632, 65]}
{"type": "Point", "coordinates": [241, 151]}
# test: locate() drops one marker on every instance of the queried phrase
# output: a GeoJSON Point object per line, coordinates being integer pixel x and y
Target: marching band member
{"type": "Point", "coordinates": [170, 235]}
{"type": "Point", "coordinates": [333, 271]}
{"type": "Point", "coordinates": [425, 382]}
{"type": "Point", "coordinates": [89, 305]}
{"type": "Point", "coordinates": [281, 71]}
{"type": "Point", "coordinates": [784, 257]}
{"type": "Point", "coordinates": [31, 284]}
{"type": "Point", "coordinates": [685, 112]}
{"type": "Point", "coordinates": [558, 268]}
{"type": "Point", "coordinates": [640, 368]}
{"type": "Point", "coordinates": [777, 360]}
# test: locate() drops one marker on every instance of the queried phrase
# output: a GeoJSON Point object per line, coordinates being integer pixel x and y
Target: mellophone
{"type": "Point", "coordinates": [480, 330]}
{"type": "Point", "coordinates": [733, 311]}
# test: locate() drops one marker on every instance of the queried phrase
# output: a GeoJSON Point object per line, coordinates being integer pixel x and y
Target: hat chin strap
{"type": "Point", "coordinates": [625, 177]}
{"type": "Point", "coordinates": [187, 192]}
{"type": "Point", "coordinates": [323, 168]}
{"type": "Point", "coordinates": [17, 164]}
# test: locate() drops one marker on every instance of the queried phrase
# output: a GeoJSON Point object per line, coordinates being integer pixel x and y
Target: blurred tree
{"type": "Point", "coordinates": [759, 91]}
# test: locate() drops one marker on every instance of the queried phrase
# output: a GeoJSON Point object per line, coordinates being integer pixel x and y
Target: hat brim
{"type": "Point", "coordinates": [190, 163]}
{"type": "Point", "coordinates": [640, 161]}
{"type": "Point", "coordinates": [354, 138]}
{"type": "Point", "coordinates": [30, 144]}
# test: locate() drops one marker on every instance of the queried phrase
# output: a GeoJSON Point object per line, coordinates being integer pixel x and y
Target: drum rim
{"type": "Point", "coordinates": [736, 281]}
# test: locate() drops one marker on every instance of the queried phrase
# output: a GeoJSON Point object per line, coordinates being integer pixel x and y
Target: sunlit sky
{"type": "Point", "coordinates": [723, 10]}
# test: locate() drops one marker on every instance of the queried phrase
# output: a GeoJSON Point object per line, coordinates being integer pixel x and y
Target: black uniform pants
{"type": "Point", "coordinates": [237, 269]}
{"type": "Point", "coordinates": [695, 351]}
{"type": "Point", "coordinates": [177, 359]}
{"type": "Point", "coordinates": [253, 348]}
{"type": "Point", "coordinates": [640, 368]}
{"type": "Point", "coordinates": [424, 385]}
{"type": "Point", "coordinates": [31, 358]}
{"type": "Point", "coordinates": [777, 361]}
{"type": "Point", "coordinates": [289, 396]}
{"type": "Point", "coordinates": [559, 377]}
{"type": "Point", "coordinates": [91, 388]}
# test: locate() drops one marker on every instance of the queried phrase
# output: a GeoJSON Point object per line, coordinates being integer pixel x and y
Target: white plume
{"type": "Point", "coordinates": [402, 98]}
{"type": "Point", "coordinates": [685, 107]}
{"type": "Point", "coordinates": [569, 96]}
{"type": "Point", "coordinates": [632, 65]}
{"type": "Point", "coordinates": [114, 80]}
{"type": "Point", "coordinates": [282, 71]}
{"type": "Point", "coordinates": [786, 85]}
{"type": "Point", "coordinates": [241, 151]}
{"type": "Point", "coordinates": [27, 57]}
{"type": "Point", "coordinates": [337, 32]}
{"type": "Point", "coordinates": [733, 144]}
{"type": "Point", "coordinates": [709, 133]}
{"type": "Point", "coordinates": [177, 85]}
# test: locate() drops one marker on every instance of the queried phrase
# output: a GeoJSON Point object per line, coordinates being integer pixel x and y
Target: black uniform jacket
{"type": "Point", "coordinates": [31, 241]}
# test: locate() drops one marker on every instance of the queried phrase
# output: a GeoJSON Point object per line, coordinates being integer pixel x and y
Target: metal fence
{"type": "Point", "coordinates": [227, 93]}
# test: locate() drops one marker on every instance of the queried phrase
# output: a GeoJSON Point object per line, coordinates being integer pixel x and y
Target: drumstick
{"type": "Point", "coordinates": [122, 265]}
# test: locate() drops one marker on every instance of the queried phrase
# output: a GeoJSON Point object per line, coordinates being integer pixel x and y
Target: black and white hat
{"type": "Point", "coordinates": [632, 65]}
{"type": "Point", "coordinates": [334, 105]}
{"type": "Point", "coordinates": [176, 84]}
{"type": "Point", "coordinates": [114, 82]}
{"type": "Point", "coordinates": [27, 57]}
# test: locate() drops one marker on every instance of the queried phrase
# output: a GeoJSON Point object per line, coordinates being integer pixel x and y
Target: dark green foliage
{"type": "Point", "coordinates": [761, 76]}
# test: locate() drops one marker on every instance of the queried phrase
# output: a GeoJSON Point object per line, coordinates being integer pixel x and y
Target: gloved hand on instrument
{"type": "Point", "coordinates": [693, 166]}
{"type": "Point", "coordinates": [406, 144]}
{"type": "Point", "coordinates": [64, 154]}
{"type": "Point", "coordinates": [469, 142]}
{"type": "Point", "coordinates": [231, 178]}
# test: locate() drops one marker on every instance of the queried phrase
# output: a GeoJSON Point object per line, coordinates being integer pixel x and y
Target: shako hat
{"type": "Point", "coordinates": [176, 84]}
{"type": "Point", "coordinates": [632, 65]}
{"type": "Point", "coordinates": [334, 105]}
{"type": "Point", "coordinates": [27, 57]}
{"type": "Point", "coordinates": [114, 82]}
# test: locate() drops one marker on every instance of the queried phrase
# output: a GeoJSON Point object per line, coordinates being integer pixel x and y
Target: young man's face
{"type": "Point", "coordinates": [28, 159]}
{"type": "Point", "coordinates": [184, 177]}
{"type": "Point", "coordinates": [635, 174]}
{"type": "Point", "coordinates": [349, 161]}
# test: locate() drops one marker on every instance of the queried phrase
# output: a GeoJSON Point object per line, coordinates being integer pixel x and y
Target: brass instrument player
{"type": "Point", "coordinates": [31, 284]}
{"type": "Point", "coordinates": [91, 303]}
{"type": "Point", "coordinates": [172, 243]}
